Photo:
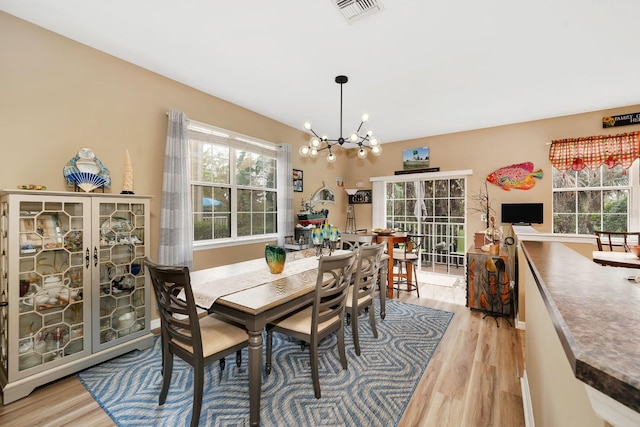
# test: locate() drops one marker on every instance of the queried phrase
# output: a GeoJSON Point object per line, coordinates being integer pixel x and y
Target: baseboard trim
{"type": "Point", "coordinates": [526, 401]}
{"type": "Point", "coordinates": [155, 324]}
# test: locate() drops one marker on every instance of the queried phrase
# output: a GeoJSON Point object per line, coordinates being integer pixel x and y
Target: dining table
{"type": "Point", "coordinates": [392, 239]}
{"type": "Point", "coordinates": [616, 259]}
{"type": "Point", "coordinates": [249, 294]}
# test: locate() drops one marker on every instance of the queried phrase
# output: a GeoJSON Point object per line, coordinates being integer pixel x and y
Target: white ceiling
{"type": "Point", "coordinates": [419, 67]}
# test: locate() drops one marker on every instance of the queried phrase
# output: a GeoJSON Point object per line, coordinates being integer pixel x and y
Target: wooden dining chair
{"type": "Point", "coordinates": [409, 253]}
{"type": "Point", "coordinates": [360, 297]}
{"type": "Point", "coordinates": [616, 240]}
{"type": "Point", "coordinates": [197, 341]}
{"type": "Point", "coordinates": [324, 317]}
{"type": "Point", "coordinates": [352, 241]}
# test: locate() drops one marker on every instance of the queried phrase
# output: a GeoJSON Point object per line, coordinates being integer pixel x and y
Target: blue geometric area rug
{"type": "Point", "coordinates": [373, 391]}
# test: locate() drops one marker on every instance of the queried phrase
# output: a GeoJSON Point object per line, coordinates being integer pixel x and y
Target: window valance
{"type": "Point", "coordinates": [593, 151]}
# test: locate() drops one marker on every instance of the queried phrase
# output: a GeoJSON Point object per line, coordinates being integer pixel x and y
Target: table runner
{"type": "Point", "coordinates": [213, 283]}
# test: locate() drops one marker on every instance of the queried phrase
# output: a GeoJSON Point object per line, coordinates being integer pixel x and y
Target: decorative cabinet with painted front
{"type": "Point", "coordinates": [73, 290]}
{"type": "Point", "coordinates": [491, 282]}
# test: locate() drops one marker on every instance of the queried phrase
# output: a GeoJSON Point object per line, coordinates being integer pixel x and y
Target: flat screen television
{"type": "Point", "coordinates": [522, 213]}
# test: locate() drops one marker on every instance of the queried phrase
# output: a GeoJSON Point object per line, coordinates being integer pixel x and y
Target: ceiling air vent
{"type": "Point", "coordinates": [353, 10]}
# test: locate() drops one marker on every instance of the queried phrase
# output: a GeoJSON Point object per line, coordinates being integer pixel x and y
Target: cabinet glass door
{"type": "Point", "coordinates": [120, 251]}
{"type": "Point", "coordinates": [51, 270]}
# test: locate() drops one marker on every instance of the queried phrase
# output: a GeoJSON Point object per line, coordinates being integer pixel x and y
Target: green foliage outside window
{"type": "Point", "coordinates": [221, 171]}
{"type": "Point", "coordinates": [588, 200]}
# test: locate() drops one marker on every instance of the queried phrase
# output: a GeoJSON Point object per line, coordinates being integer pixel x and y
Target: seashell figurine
{"type": "Point", "coordinates": [127, 179]}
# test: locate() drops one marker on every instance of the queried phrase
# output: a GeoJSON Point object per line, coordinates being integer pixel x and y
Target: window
{"type": "Point", "coordinates": [233, 185]}
{"type": "Point", "coordinates": [588, 200]}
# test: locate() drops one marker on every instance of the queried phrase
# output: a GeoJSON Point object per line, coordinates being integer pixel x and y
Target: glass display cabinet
{"type": "Point", "coordinates": [73, 290]}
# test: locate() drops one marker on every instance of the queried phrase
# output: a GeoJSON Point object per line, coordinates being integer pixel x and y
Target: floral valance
{"type": "Point", "coordinates": [593, 151]}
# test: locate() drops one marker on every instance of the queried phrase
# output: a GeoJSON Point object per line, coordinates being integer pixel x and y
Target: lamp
{"type": "Point", "coordinates": [364, 142]}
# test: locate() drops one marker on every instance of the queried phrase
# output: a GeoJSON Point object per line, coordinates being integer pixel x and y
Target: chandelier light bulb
{"type": "Point", "coordinates": [306, 125]}
{"type": "Point", "coordinates": [373, 142]}
{"type": "Point", "coordinates": [362, 153]}
{"type": "Point", "coordinates": [365, 117]}
{"type": "Point", "coordinates": [304, 151]}
{"type": "Point", "coordinates": [314, 142]}
{"type": "Point", "coordinates": [353, 137]}
{"type": "Point", "coordinates": [313, 153]}
{"type": "Point", "coordinates": [331, 158]}
{"type": "Point", "coordinates": [377, 150]}
{"type": "Point", "coordinates": [370, 133]}
{"type": "Point", "coordinates": [325, 138]}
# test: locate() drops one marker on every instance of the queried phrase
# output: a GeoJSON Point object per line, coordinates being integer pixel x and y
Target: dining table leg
{"type": "Point", "coordinates": [255, 375]}
{"type": "Point", "coordinates": [390, 269]}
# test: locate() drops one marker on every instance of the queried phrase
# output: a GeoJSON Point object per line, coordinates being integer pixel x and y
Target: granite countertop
{"type": "Point", "coordinates": [596, 313]}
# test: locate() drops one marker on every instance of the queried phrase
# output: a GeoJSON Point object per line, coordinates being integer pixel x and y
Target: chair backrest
{"type": "Point", "coordinates": [608, 240]}
{"type": "Point", "coordinates": [179, 322]}
{"type": "Point", "coordinates": [352, 241]}
{"type": "Point", "coordinates": [413, 245]}
{"type": "Point", "coordinates": [368, 267]}
{"type": "Point", "coordinates": [332, 284]}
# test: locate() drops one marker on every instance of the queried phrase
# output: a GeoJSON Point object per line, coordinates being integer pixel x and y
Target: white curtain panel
{"type": "Point", "coordinates": [420, 205]}
{"type": "Point", "coordinates": [176, 218]}
{"type": "Point", "coordinates": [285, 193]}
{"type": "Point", "coordinates": [379, 196]}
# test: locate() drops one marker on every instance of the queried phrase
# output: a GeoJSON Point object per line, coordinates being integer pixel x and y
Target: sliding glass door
{"type": "Point", "coordinates": [433, 204]}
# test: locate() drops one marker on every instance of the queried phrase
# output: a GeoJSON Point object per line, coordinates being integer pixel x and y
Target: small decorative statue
{"type": "Point", "coordinates": [127, 179]}
{"type": "Point", "coordinates": [493, 235]}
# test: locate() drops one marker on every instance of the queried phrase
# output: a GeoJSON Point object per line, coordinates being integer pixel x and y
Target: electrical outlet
{"type": "Point", "coordinates": [483, 217]}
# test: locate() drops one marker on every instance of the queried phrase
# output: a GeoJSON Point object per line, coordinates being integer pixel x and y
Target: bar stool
{"type": "Point", "coordinates": [408, 254]}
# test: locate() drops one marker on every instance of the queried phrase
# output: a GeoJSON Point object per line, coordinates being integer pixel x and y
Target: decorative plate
{"type": "Point", "coordinates": [85, 161]}
{"type": "Point", "coordinates": [31, 187]}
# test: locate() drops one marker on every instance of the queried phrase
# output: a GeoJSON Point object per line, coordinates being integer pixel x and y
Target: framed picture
{"type": "Point", "coordinates": [297, 181]}
{"type": "Point", "coordinates": [361, 197]}
{"type": "Point", "coordinates": [415, 158]}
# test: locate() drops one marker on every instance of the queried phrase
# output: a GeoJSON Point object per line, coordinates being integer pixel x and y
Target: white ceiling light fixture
{"type": "Point", "coordinates": [353, 10]}
{"type": "Point", "coordinates": [364, 141]}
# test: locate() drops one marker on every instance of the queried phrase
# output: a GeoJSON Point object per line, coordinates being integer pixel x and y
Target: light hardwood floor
{"type": "Point", "coordinates": [473, 379]}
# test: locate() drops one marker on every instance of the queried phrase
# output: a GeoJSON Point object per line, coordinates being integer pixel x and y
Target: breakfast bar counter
{"type": "Point", "coordinates": [594, 312]}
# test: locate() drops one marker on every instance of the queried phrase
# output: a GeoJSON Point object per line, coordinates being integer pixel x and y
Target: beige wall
{"type": "Point", "coordinates": [486, 150]}
{"type": "Point", "coordinates": [57, 96]}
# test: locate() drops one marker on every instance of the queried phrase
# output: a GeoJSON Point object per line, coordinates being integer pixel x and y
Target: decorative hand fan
{"type": "Point", "coordinates": [86, 180]}
{"type": "Point", "coordinates": [85, 162]}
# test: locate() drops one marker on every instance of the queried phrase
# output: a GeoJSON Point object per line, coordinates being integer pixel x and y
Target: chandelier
{"type": "Point", "coordinates": [318, 143]}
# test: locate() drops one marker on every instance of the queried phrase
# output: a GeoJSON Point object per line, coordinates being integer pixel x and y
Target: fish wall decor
{"type": "Point", "coordinates": [520, 176]}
